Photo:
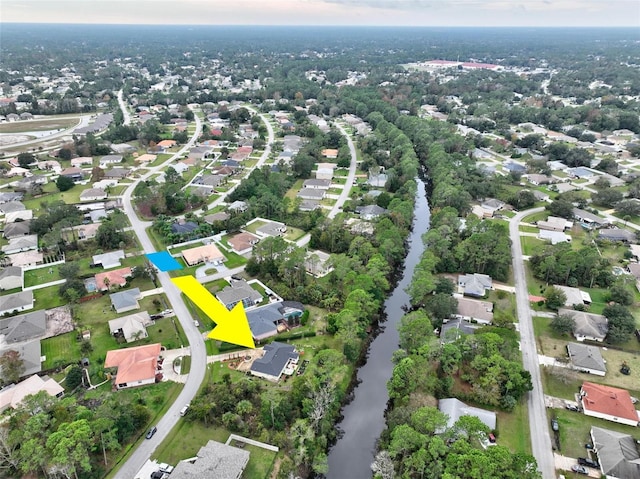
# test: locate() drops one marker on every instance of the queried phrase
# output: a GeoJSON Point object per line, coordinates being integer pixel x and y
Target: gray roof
{"type": "Point", "coordinates": [587, 324]}
{"type": "Point", "coordinates": [271, 228]}
{"type": "Point", "coordinates": [238, 291]}
{"type": "Point", "coordinates": [585, 356]}
{"type": "Point", "coordinates": [215, 460]}
{"type": "Point", "coordinates": [454, 329]}
{"type": "Point", "coordinates": [589, 217]}
{"type": "Point", "coordinates": [30, 353]}
{"type": "Point", "coordinates": [312, 193]}
{"type": "Point", "coordinates": [317, 183]}
{"type": "Point", "coordinates": [117, 173]}
{"type": "Point", "coordinates": [276, 357]}
{"type": "Point", "coordinates": [262, 321]}
{"type": "Point", "coordinates": [21, 243]}
{"type": "Point", "coordinates": [23, 327]}
{"type": "Point", "coordinates": [8, 197]}
{"type": "Point", "coordinates": [309, 205]}
{"type": "Point", "coordinates": [617, 453]}
{"type": "Point", "coordinates": [11, 271]}
{"type": "Point", "coordinates": [19, 228]}
{"type": "Point", "coordinates": [111, 159]}
{"type": "Point", "coordinates": [184, 228]}
{"type": "Point", "coordinates": [125, 299]}
{"type": "Point", "coordinates": [14, 301]}
{"type": "Point", "coordinates": [12, 207]}
{"type": "Point", "coordinates": [455, 408]}
{"type": "Point", "coordinates": [475, 284]}
{"type": "Point", "coordinates": [109, 259]}
{"type": "Point", "coordinates": [221, 216]}
{"type": "Point", "coordinates": [370, 210]}
{"type": "Point", "coordinates": [617, 234]}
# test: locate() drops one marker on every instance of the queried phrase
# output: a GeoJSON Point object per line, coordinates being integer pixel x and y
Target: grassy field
{"type": "Point", "coordinates": [51, 194]}
{"type": "Point", "coordinates": [530, 245]}
{"type": "Point", "coordinates": [60, 347]}
{"type": "Point", "coordinates": [57, 123]}
{"type": "Point", "coordinates": [513, 429]}
{"type": "Point", "coordinates": [528, 229]}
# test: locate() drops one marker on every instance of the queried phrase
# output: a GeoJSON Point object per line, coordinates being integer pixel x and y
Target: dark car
{"type": "Point", "coordinates": [579, 469]}
{"type": "Point", "coordinates": [151, 432]}
{"type": "Point", "coordinates": [571, 407]}
{"type": "Point", "coordinates": [585, 461]}
{"type": "Point", "coordinates": [554, 425]}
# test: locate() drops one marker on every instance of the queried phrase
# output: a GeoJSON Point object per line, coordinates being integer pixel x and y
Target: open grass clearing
{"type": "Point", "coordinates": [513, 429]}
{"type": "Point", "coordinates": [531, 245]}
{"type": "Point", "coordinates": [25, 126]}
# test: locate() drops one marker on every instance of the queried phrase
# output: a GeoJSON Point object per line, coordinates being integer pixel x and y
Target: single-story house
{"type": "Point", "coordinates": [15, 230]}
{"type": "Point", "coordinates": [10, 197]}
{"type": "Point", "coordinates": [117, 173]}
{"type": "Point", "coordinates": [222, 216]}
{"type": "Point", "coordinates": [200, 152]}
{"type": "Point", "coordinates": [165, 144]}
{"type": "Point", "coordinates": [537, 179]}
{"type": "Point", "coordinates": [93, 194]}
{"type": "Point", "coordinates": [16, 302]}
{"type": "Point", "coordinates": [316, 184]}
{"type": "Point", "coordinates": [589, 218]}
{"type": "Point", "coordinates": [588, 326]}
{"type": "Point", "coordinates": [243, 243]}
{"type": "Point", "coordinates": [26, 258]}
{"type": "Point", "coordinates": [475, 284]}
{"type": "Point", "coordinates": [75, 173]}
{"type": "Point", "coordinates": [11, 207]}
{"type": "Point", "coordinates": [278, 359]}
{"type": "Point", "coordinates": [453, 329]}
{"type": "Point", "coordinates": [110, 279]}
{"type": "Point", "coordinates": [96, 216]}
{"type": "Point", "coordinates": [84, 232]}
{"type": "Point", "coordinates": [208, 253]}
{"type": "Point", "coordinates": [330, 153]}
{"type": "Point", "coordinates": [555, 237]}
{"type": "Point", "coordinates": [124, 301]}
{"type": "Point", "coordinates": [272, 228]}
{"type": "Point", "coordinates": [132, 327]}
{"type": "Point", "coordinates": [18, 216]}
{"type": "Point", "coordinates": [81, 160]}
{"type": "Point", "coordinates": [31, 354]}
{"type": "Point", "coordinates": [263, 321]}
{"type": "Point", "coordinates": [21, 243]}
{"type": "Point", "coordinates": [136, 366]}
{"type": "Point", "coordinates": [24, 327]}
{"type": "Point", "coordinates": [110, 160]}
{"type": "Point", "coordinates": [211, 180]}
{"type": "Point", "coordinates": [377, 181]}
{"type": "Point", "coordinates": [239, 292]}
{"type": "Point", "coordinates": [11, 277]}
{"type": "Point", "coordinates": [553, 223]}
{"type": "Point", "coordinates": [616, 234]}
{"type": "Point", "coordinates": [325, 171]}
{"type": "Point", "coordinates": [370, 212]}
{"type": "Point", "coordinates": [109, 260]}
{"type": "Point", "coordinates": [540, 196]}
{"type": "Point", "coordinates": [574, 295]}
{"type": "Point", "coordinates": [586, 358]}
{"type": "Point", "coordinates": [474, 310]}
{"type": "Point", "coordinates": [146, 158]}
{"type": "Point", "coordinates": [12, 396]}
{"type": "Point", "coordinates": [213, 460]}
{"type": "Point", "coordinates": [183, 228]}
{"type": "Point", "coordinates": [238, 206]}
{"type": "Point", "coordinates": [617, 452]}
{"type": "Point", "coordinates": [606, 402]}
{"type": "Point", "coordinates": [455, 409]}
{"type": "Point", "coordinates": [309, 205]}
{"type": "Point", "coordinates": [311, 194]}
{"type": "Point", "coordinates": [317, 263]}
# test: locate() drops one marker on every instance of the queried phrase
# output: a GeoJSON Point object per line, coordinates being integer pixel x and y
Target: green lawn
{"type": "Point", "coordinates": [54, 123]}
{"type": "Point", "coordinates": [51, 194]}
{"type": "Point", "coordinates": [60, 347]}
{"type": "Point", "coordinates": [530, 245]}
{"type": "Point", "coordinates": [513, 429]}
{"type": "Point", "coordinates": [47, 298]}
{"type": "Point", "coordinates": [528, 229]}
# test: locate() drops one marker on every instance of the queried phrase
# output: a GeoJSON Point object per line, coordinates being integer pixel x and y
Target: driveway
{"type": "Point", "coordinates": [565, 463]}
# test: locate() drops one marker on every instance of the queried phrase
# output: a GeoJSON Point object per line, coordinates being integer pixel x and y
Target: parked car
{"type": "Point", "coordinates": [579, 469]}
{"type": "Point", "coordinates": [151, 432]}
{"type": "Point", "coordinates": [164, 467]}
{"type": "Point", "coordinates": [585, 461]}
{"type": "Point", "coordinates": [554, 424]}
{"type": "Point", "coordinates": [571, 407]}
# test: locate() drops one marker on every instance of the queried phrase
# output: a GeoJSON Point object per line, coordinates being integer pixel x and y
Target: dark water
{"type": "Point", "coordinates": [363, 422]}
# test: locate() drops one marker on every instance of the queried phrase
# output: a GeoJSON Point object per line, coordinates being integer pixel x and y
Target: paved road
{"type": "Point", "coordinates": [125, 111]}
{"type": "Point", "coordinates": [350, 177]}
{"type": "Point", "coordinates": [538, 423]}
{"type": "Point", "coordinates": [196, 342]}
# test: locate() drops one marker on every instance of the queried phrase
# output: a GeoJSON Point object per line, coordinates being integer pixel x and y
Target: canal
{"type": "Point", "coordinates": [363, 418]}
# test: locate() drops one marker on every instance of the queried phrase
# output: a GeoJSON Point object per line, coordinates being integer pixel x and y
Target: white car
{"type": "Point", "coordinates": [167, 312]}
{"type": "Point", "coordinates": [166, 468]}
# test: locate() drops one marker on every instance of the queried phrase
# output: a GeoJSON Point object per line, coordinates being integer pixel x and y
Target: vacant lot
{"type": "Point", "coordinates": [61, 123]}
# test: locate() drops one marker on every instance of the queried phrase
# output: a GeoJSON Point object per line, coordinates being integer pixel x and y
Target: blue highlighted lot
{"type": "Point", "coordinates": [163, 261]}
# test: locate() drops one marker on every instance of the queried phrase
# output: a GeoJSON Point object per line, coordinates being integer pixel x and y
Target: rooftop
{"type": "Point", "coordinates": [608, 400]}
{"type": "Point", "coordinates": [134, 364]}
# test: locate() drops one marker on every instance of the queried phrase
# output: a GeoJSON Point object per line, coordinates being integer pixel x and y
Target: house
{"type": "Point", "coordinates": [590, 219]}
{"type": "Point", "coordinates": [616, 234]}
{"type": "Point", "coordinates": [263, 321]}
{"type": "Point", "coordinates": [184, 227]}
{"type": "Point", "coordinates": [540, 196]}
{"type": "Point", "coordinates": [309, 205]}
{"type": "Point", "coordinates": [75, 173]}
{"type": "Point", "coordinates": [200, 152]}
{"type": "Point", "coordinates": [166, 144]}
{"type": "Point", "coordinates": [15, 216]}
{"type": "Point", "coordinates": [131, 327]}
{"type": "Point", "coordinates": [474, 310]}
{"type": "Point", "coordinates": [453, 329]}
{"type": "Point", "coordinates": [96, 216]}
{"type": "Point", "coordinates": [109, 260]}
{"type": "Point", "coordinates": [31, 354]}
{"type": "Point", "coordinates": [325, 171]}
{"type": "Point", "coordinates": [117, 173]}
{"type": "Point", "coordinates": [617, 453]}
{"type": "Point", "coordinates": [370, 212]}
{"type": "Point", "coordinates": [21, 243]}
{"type": "Point", "coordinates": [12, 396]}
{"type": "Point", "coordinates": [26, 258]}
{"type": "Point", "coordinates": [492, 205]}
{"type": "Point", "coordinates": [208, 253]}
{"type": "Point", "coordinates": [24, 327]}
{"type": "Point", "coordinates": [110, 160]}
{"type": "Point", "coordinates": [580, 172]}
{"type": "Point", "coordinates": [146, 158]}
{"type": "Point", "coordinates": [124, 301]}
{"type": "Point", "coordinates": [238, 206]}
{"type": "Point", "coordinates": [574, 295]}
{"type": "Point", "coordinates": [587, 326]}
{"type": "Point", "coordinates": [136, 366]}
{"type": "Point", "coordinates": [81, 160]}
{"type": "Point", "coordinates": [318, 263]}
{"type": "Point", "coordinates": [211, 180]}
{"type": "Point", "coordinates": [553, 223]}
{"type": "Point", "coordinates": [239, 292]}
{"type": "Point", "coordinates": [317, 184]}
{"type": "Point", "coordinates": [115, 278]}
{"type": "Point", "coordinates": [311, 194]}
{"type": "Point", "coordinates": [15, 230]}
{"type": "Point", "coordinates": [222, 216]}
{"type": "Point", "coordinates": [84, 232]}
{"type": "Point", "coordinates": [554, 237]}
{"type": "Point", "coordinates": [330, 153]}
{"type": "Point", "coordinates": [538, 180]}
{"type": "Point", "coordinates": [12, 207]}
{"type": "Point", "coordinates": [278, 359]}
{"type": "Point", "coordinates": [272, 228]}
{"type": "Point", "coordinates": [606, 402]}
{"type": "Point", "coordinates": [16, 302]}
{"type": "Point", "coordinates": [243, 243]}
{"type": "Point", "coordinates": [513, 167]}
{"type": "Point", "coordinates": [213, 460]}
{"type": "Point", "coordinates": [455, 409]}
{"type": "Point", "coordinates": [11, 278]}
{"type": "Point", "coordinates": [586, 359]}
{"type": "Point", "coordinates": [475, 284]}
{"type": "Point", "coordinates": [10, 197]}
{"type": "Point", "coordinates": [93, 194]}
{"type": "Point", "coordinates": [377, 181]}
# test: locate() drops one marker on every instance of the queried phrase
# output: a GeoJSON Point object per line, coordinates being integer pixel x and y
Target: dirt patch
{"type": "Point", "coordinates": [244, 363]}
{"type": "Point", "coordinates": [59, 321]}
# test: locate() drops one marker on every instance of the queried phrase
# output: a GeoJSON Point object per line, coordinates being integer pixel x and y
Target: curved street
{"type": "Point", "coordinates": [538, 423]}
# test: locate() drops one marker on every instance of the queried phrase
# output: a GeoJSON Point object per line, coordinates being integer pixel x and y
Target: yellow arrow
{"type": "Point", "coordinates": [231, 326]}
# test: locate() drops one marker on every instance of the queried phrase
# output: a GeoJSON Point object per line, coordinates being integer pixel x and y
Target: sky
{"type": "Point", "coordinates": [481, 13]}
